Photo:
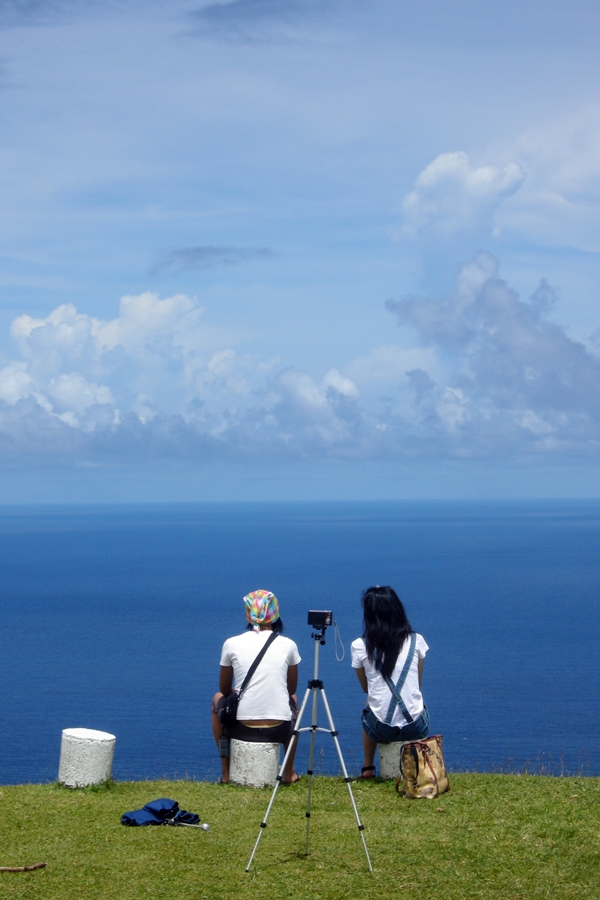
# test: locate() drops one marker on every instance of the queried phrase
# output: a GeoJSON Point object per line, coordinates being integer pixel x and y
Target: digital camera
{"type": "Point", "coordinates": [320, 618]}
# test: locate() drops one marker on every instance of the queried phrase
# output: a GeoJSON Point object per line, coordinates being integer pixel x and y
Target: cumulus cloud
{"type": "Point", "coordinates": [210, 257]}
{"type": "Point", "coordinates": [160, 348]}
{"type": "Point", "coordinates": [452, 196]}
{"type": "Point", "coordinates": [385, 367]}
{"type": "Point", "coordinates": [15, 382]}
{"type": "Point", "coordinates": [517, 382]}
{"type": "Point", "coordinates": [559, 203]}
{"type": "Point", "coordinates": [303, 416]}
{"type": "Point", "coordinates": [156, 380]}
{"type": "Point", "coordinates": [547, 195]}
{"type": "Point", "coordinates": [489, 374]}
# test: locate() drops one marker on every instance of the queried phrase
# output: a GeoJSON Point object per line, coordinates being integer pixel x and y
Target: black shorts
{"type": "Point", "coordinates": [275, 734]}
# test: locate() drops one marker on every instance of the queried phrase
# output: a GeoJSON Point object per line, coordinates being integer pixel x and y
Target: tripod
{"type": "Point", "coordinates": [315, 688]}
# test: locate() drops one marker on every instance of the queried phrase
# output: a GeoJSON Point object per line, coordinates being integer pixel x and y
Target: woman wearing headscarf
{"type": "Point", "coordinates": [389, 655]}
{"type": "Point", "coordinates": [268, 707]}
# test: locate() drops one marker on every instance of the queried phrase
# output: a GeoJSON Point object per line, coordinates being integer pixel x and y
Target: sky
{"type": "Point", "coordinates": [299, 249]}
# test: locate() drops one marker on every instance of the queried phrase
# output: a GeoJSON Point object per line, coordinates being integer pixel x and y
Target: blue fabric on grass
{"type": "Point", "coordinates": [160, 812]}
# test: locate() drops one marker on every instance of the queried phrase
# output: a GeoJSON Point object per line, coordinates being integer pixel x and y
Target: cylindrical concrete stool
{"type": "Point", "coordinates": [389, 759]}
{"type": "Point", "coordinates": [254, 765]}
{"type": "Point", "coordinates": [86, 756]}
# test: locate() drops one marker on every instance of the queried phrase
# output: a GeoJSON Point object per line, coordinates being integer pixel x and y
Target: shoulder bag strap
{"type": "Point", "coordinates": [256, 663]}
{"type": "Point", "coordinates": [397, 688]}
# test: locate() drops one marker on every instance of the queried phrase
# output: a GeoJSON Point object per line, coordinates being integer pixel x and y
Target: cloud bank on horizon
{"type": "Point", "coordinates": [253, 179]}
{"type": "Point", "coordinates": [155, 382]}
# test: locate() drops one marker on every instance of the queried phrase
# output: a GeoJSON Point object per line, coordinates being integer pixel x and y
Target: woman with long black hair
{"type": "Point", "coordinates": [388, 659]}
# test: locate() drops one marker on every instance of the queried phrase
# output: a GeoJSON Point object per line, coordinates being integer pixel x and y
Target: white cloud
{"type": "Point", "coordinates": [15, 383]}
{"type": "Point", "coordinates": [159, 347]}
{"type": "Point", "coordinates": [519, 382]}
{"type": "Point", "coordinates": [451, 195]}
{"type": "Point", "coordinates": [386, 367]}
{"type": "Point", "coordinates": [154, 380]}
{"type": "Point", "coordinates": [559, 204]}
{"type": "Point", "coordinates": [73, 393]}
{"type": "Point", "coordinates": [547, 196]}
{"type": "Point", "coordinates": [141, 320]}
{"type": "Point", "coordinates": [493, 375]}
{"type": "Point", "coordinates": [341, 384]}
{"type": "Point", "coordinates": [306, 416]}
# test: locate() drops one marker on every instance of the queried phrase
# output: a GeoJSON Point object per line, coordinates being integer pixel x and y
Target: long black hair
{"type": "Point", "coordinates": [386, 627]}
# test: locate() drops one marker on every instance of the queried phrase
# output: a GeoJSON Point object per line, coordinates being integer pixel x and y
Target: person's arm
{"type": "Point", "coordinates": [292, 679]}
{"type": "Point", "coordinates": [226, 680]}
{"type": "Point", "coordinates": [421, 661]}
{"type": "Point", "coordinates": [362, 677]}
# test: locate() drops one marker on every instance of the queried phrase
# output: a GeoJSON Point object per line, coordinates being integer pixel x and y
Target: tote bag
{"type": "Point", "coordinates": [423, 769]}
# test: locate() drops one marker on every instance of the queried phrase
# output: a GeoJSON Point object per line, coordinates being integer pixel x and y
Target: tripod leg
{"type": "Point", "coordinates": [291, 745]}
{"type": "Point", "coordinates": [334, 734]}
{"type": "Point", "coordinates": [311, 757]}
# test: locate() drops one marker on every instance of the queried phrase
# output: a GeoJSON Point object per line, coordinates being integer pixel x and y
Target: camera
{"type": "Point", "coordinates": [320, 618]}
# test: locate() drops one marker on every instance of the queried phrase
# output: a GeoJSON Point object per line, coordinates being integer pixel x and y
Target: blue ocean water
{"type": "Point", "coordinates": [113, 618]}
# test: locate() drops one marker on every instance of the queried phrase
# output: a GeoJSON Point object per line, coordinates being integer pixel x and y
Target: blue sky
{"type": "Point", "coordinates": [306, 249]}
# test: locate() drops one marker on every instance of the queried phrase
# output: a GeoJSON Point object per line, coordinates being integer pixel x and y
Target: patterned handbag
{"type": "Point", "coordinates": [423, 769]}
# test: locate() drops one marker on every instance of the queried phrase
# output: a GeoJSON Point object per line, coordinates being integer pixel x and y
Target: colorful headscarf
{"type": "Point", "coordinates": [262, 608]}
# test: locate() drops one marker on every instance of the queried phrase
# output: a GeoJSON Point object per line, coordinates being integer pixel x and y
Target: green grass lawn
{"type": "Point", "coordinates": [492, 836]}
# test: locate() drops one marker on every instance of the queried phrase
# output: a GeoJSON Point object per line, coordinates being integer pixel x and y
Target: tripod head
{"type": "Point", "coordinates": [319, 635]}
{"type": "Point", "coordinates": [320, 619]}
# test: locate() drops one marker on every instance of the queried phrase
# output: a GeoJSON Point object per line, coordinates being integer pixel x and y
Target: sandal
{"type": "Point", "coordinates": [295, 779]}
{"type": "Point", "coordinates": [367, 769]}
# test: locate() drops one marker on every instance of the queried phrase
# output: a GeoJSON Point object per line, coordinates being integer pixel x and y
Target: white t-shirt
{"type": "Point", "coordinates": [266, 697]}
{"type": "Point", "coordinates": [379, 695]}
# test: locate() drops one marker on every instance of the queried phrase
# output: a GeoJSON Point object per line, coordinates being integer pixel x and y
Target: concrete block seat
{"type": "Point", "coordinates": [389, 759]}
{"type": "Point", "coordinates": [86, 756]}
{"type": "Point", "coordinates": [253, 764]}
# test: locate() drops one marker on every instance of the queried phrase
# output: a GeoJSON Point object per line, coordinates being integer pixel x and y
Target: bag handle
{"type": "Point", "coordinates": [425, 750]}
{"type": "Point", "coordinates": [411, 748]}
{"type": "Point", "coordinates": [397, 688]}
{"type": "Point", "coordinates": [256, 663]}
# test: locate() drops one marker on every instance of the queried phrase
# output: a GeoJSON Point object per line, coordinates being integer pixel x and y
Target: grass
{"type": "Point", "coordinates": [503, 837]}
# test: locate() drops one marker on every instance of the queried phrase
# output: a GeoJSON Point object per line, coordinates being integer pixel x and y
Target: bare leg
{"type": "Point", "coordinates": [369, 748]}
{"type": "Point", "coordinates": [288, 772]}
{"type": "Point", "coordinates": [218, 733]}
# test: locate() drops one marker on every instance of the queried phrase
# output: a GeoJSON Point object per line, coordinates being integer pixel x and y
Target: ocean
{"type": "Point", "coordinates": [113, 618]}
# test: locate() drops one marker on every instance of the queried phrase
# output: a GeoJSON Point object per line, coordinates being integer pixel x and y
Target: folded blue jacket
{"type": "Point", "coordinates": [160, 812]}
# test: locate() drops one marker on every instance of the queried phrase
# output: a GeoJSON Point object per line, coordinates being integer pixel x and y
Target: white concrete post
{"type": "Point", "coordinates": [253, 764]}
{"type": "Point", "coordinates": [389, 759]}
{"type": "Point", "coordinates": [86, 756]}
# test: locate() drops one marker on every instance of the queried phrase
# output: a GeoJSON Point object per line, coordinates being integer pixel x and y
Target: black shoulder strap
{"type": "Point", "coordinates": [256, 663]}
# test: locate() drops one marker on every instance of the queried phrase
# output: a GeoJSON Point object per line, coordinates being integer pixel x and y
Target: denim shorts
{"type": "Point", "coordinates": [387, 734]}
